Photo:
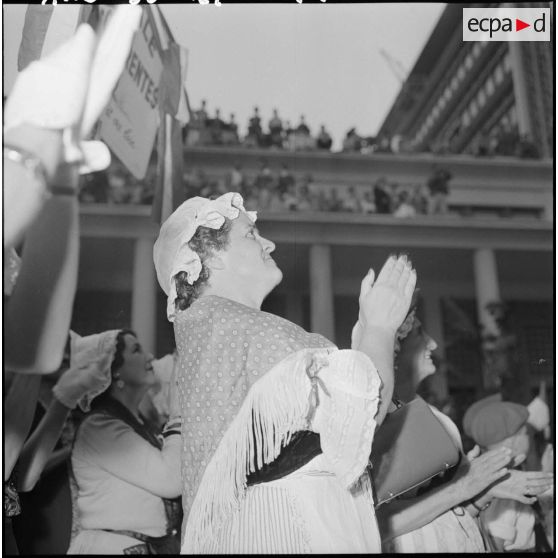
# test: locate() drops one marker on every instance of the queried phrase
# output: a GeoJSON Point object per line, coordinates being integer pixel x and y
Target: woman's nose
{"type": "Point", "coordinates": [431, 344]}
{"type": "Point", "coordinates": [268, 245]}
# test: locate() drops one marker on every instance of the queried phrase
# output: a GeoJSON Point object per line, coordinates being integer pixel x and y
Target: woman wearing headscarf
{"type": "Point", "coordinates": [253, 387]}
{"type": "Point", "coordinates": [127, 477]}
{"type": "Point", "coordinates": [443, 517]}
{"type": "Point", "coordinates": [29, 444]}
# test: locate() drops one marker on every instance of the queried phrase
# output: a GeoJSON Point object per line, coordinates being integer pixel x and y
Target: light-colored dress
{"type": "Point", "coordinates": [512, 522]}
{"type": "Point", "coordinates": [306, 512]}
{"type": "Point", "coordinates": [247, 382]}
{"type": "Point", "coordinates": [121, 481]}
{"type": "Point", "coordinates": [453, 531]}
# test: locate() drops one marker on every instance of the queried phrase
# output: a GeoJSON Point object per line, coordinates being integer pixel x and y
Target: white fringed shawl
{"type": "Point", "coordinates": [246, 382]}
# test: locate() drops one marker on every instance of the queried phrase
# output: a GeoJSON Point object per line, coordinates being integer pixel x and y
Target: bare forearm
{"type": "Point", "coordinates": [19, 409]}
{"type": "Point", "coordinates": [38, 449]}
{"type": "Point", "coordinates": [378, 344]}
{"type": "Point", "coordinates": [403, 516]}
{"type": "Point", "coordinates": [39, 311]}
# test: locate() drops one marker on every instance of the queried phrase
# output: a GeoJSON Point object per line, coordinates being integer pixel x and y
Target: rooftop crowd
{"type": "Point", "coordinates": [203, 129]}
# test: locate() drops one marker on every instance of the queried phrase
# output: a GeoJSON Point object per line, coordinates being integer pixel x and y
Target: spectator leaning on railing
{"type": "Point", "coordinates": [323, 141]}
{"type": "Point", "coordinates": [438, 184]}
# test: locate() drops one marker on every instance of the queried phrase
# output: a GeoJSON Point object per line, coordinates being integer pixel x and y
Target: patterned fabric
{"type": "Point", "coordinates": [74, 491]}
{"type": "Point", "coordinates": [224, 349]}
{"type": "Point", "coordinates": [12, 505]}
{"type": "Point", "coordinates": [12, 265]}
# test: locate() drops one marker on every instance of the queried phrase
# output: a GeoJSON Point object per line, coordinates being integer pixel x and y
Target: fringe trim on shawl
{"type": "Point", "coordinates": [274, 408]}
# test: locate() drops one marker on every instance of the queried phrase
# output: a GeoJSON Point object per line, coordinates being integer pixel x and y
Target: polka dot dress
{"type": "Point", "coordinates": [224, 347]}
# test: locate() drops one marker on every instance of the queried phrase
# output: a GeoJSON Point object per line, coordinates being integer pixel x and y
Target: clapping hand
{"type": "Point", "coordinates": [475, 474]}
{"type": "Point", "coordinates": [384, 301]}
{"type": "Point", "coordinates": [522, 486]}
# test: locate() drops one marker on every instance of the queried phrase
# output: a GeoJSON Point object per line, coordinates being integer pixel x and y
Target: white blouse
{"type": "Point", "coordinates": [122, 478]}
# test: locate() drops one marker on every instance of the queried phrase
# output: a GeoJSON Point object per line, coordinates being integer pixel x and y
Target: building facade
{"type": "Point", "coordinates": [464, 259]}
{"type": "Point", "coordinates": [461, 95]}
{"type": "Point", "coordinates": [494, 244]}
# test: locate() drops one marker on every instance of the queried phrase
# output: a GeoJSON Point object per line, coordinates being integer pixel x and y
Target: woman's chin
{"type": "Point", "coordinates": [275, 277]}
{"type": "Point", "coordinates": [427, 370]}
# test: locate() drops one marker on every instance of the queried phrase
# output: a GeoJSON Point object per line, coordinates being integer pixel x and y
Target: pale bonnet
{"type": "Point", "coordinates": [98, 348]}
{"type": "Point", "coordinates": [172, 253]}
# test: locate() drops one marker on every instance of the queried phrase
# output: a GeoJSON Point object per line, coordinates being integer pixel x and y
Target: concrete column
{"type": "Point", "coordinates": [144, 300]}
{"type": "Point", "coordinates": [321, 291]}
{"type": "Point", "coordinates": [486, 286]}
{"type": "Point", "coordinates": [520, 88]}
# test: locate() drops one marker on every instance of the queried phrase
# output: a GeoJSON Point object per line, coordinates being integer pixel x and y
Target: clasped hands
{"type": "Point", "coordinates": [491, 475]}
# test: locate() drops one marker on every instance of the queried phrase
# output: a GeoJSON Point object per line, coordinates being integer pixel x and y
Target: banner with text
{"type": "Point", "coordinates": [129, 122]}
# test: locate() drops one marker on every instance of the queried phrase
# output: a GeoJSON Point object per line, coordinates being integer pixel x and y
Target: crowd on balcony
{"type": "Point", "coordinates": [282, 191]}
{"type": "Point", "coordinates": [118, 186]}
{"type": "Point", "coordinates": [278, 190]}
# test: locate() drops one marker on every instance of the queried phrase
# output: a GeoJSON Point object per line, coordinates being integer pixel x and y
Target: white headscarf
{"type": "Point", "coordinates": [99, 348]}
{"type": "Point", "coordinates": [171, 252]}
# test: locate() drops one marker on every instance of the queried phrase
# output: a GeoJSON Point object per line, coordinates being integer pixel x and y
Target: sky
{"type": "Point", "coordinates": [320, 60]}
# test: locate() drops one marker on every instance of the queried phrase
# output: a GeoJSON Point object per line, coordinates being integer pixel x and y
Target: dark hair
{"type": "Point", "coordinates": [118, 359]}
{"type": "Point", "coordinates": [205, 243]}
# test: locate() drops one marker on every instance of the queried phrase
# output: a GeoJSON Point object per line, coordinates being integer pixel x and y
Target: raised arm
{"type": "Point", "coordinates": [407, 514]}
{"type": "Point", "coordinates": [39, 311]}
{"type": "Point", "coordinates": [476, 483]}
{"type": "Point", "coordinates": [383, 305]}
{"type": "Point", "coordinates": [115, 447]}
{"type": "Point", "coordinates": [37, 451]}
{"type": "Point", "coordinates": [19, 409]}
